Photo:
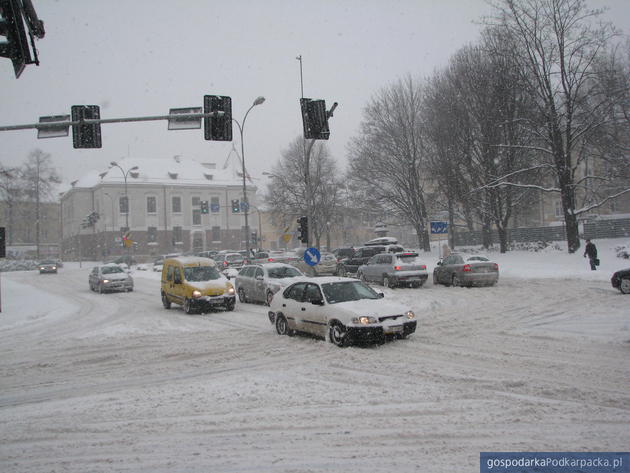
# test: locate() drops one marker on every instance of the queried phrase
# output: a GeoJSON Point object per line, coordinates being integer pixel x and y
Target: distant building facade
{"type": "Point", "coordinates": [158, 207]}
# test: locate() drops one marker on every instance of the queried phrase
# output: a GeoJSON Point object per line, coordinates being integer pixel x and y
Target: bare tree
{"type": "Point", "coordinates": [387, 158]}
{"type": "Point", "coordinates": [557, 45]}
{"type": "Point", "coordinates": [12, 194]}
{"type": "Point", "coordinates": [39, 179]}
{"type": "Point", "coordinates": [287, 193]}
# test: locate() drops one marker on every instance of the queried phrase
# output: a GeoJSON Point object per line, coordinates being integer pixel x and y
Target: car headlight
{"type": "Point", "coordinates": [410, 314]}
{"type": "Point", "coordinates": [105, 281]}
{"type": "Point", "coordinates": [196, 294]}
{"type": "Point", "coordinates": [230, 289]}
{"type": "Point", "coordinates": [364, 320]}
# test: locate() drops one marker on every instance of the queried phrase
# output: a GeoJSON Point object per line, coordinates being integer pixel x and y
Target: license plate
{"type": "Point", "coordinates": [394, 329]}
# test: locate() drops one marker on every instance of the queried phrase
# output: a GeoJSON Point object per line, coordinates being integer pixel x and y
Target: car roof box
{"type": "Point", "coordinates": [382, 241]}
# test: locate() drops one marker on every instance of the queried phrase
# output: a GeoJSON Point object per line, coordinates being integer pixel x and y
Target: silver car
{"type": "Point", "coordinates": [392, 270]}
{"type": "Point", "coordinates": [259, 282]}
{"type": "Point", "coordinates": [327, 265]}
{"type": "Point", "coordinates": [110, 277]}
{"type": "Point", "coordinates": [455, 270]}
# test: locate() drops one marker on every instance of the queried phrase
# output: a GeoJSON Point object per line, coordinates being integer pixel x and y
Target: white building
{"type": "Point", "coordinates": [158, 204]}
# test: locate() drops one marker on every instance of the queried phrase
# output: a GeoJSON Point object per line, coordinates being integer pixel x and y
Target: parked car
{"type": "Point", "coordinates": [361, 255]}
{"type": "Point", "coordinates": [230, 260]}
{"type": "Point", "coordinates": [327, 265]}
{"type": "Point", "coordinates": [196, 284]}
{"type": "Point", "coordinates": [343, 309]}
{"type": "Point", "coordinates": [621, 280]}
{"type": "Point", "coordinates": [208, 254]}
{"type": "Point", "coordinates": [394, 269]}
{"type": "Point", "coordinates": [260, 282]}
{"type": "Point", "coordinates": [110, 277]}
{"type": "Point", "coordinates": [47, 266]}
{"type": "Point", "coordinates": [342, 253]}
{"type": "Point", "coordinates": [476, 270]}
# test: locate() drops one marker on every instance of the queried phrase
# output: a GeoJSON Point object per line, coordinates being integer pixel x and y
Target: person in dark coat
{"type": "Point", "coordinates": [591, 252]}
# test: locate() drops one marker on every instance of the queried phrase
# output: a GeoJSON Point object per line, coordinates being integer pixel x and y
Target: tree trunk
{"type": "Point", "coordinates": [502, 238]}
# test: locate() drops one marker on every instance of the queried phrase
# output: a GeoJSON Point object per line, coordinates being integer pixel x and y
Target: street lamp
{"type": "Point", "coordinates": [241, 127]}
{"type": "Point", "coordinates": [114, 164]}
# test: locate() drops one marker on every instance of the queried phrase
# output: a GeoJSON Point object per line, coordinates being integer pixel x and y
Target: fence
{"type": "Point", "coordinates": [598, 229]}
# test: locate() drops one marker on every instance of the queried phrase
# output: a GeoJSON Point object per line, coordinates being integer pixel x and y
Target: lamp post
{"type": "Point", "coordinates": [114, 164]}
{"type": "Point", "coordinates": [241, 127]}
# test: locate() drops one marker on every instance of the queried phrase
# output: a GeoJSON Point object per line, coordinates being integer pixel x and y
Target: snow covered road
{"type": "Point", "coordinates": [114, 382]}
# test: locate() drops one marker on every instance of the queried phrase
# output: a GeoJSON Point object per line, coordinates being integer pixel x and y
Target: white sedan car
{"type": "Point", "coordinates": [343, 310]}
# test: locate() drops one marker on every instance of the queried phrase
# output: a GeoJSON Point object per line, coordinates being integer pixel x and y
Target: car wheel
{"type": "Point", "coordinates": [416, 285]}
{"type": "Point", "coordinates": [282, 326]}
{"type": "Point", "coordinates": [269, 298]}
{"type": "Point", "coordinates": [456, 281]}
{"type": "Point", "coordinates": [389, 282]}
{"type": "Point", "coordinates": [624, 286]}
{"type": "Point", "coordinates": [338, 334]}
{"type": "Point", "coordinates": [130, 289]}
{"type": "Point", "coordinates": [229, 306]}
{"type": "Point", "coordinates": [435, 280]}
{"type": "Point", "coordinates": [100, 289]}
{"type": "Point", "coordinates": [241, 295]}
{"type": "Point", "coordinates": [188, 308]}
{"type": "Point", "coordinates": [165, 302]}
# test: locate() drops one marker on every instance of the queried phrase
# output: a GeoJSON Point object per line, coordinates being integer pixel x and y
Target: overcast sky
{"type": "Point", "coordinates": [142, 57]}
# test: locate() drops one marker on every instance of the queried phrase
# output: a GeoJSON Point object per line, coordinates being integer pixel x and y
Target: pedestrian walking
{"type": "Point", "coordinates": [591, 252]}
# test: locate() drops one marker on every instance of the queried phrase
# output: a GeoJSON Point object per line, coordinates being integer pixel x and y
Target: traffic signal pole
{"type": "Point", "coordinates": [94, 121]}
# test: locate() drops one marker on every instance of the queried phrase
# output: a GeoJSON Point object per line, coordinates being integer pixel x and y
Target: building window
{"type": "Point", "coordinates": [196, 211]}
{"type": "Point", "coordinates": [151, 205]}
{"type": "Point", "coordinates": [123, 204]}
{"type": "Point", "coordinates": [152, 235]}
{"type": "Point", "coordinates": [214, 204]}
{"type": "Point", "coordinates": [216, 234]}
{"type": "Point", "coordinates": [176, 203]}
{"type": "Point", "coordinates": [177, 235]}
{"type": "Point", "coordinates": [558, 209]}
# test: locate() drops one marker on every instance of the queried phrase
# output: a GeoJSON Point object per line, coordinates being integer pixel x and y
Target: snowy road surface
{"type": "Point", "coordinates": [114, 382]}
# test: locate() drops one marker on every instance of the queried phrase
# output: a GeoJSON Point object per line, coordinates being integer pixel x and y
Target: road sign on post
{"type": "Point", "coordinates": [312, 256]}
{"type": "Point", "coordinates": [439, 228]}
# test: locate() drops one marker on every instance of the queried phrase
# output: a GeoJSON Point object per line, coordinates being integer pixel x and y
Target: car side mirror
{"type": "Point", "coordinates": [259, 278]}
{"type": "Point", "coordinates": [380, 295]}
{"type": "Point", "coordinates": [439, 263]}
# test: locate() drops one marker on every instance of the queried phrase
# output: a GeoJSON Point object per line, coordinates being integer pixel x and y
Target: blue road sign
{"type": "Point", "coordinates": [439, 227]}
{"type": "Point", "coordinates": [312, 256]}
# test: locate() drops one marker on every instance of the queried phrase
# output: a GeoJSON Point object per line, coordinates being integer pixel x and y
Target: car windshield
{"type": "Point", "coordinates": [111, 269]}
{"type": "Point", "coordinates": [283, 272]}
{"type": "Point", "coordinates": [47, 262]}
{"type": "Point", "coordinates": [347, 291]}
{"type": "Point", "coordinates": [201, 273]}
{"type": "Point", "coordinates": [233, 258]}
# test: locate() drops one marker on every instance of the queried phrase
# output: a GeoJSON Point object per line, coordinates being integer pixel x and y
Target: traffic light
{"type": "Point", "coordinates": [204, 207]}
{"type": "Point", "coordinates": [217, 128]}
{"type": "Point", "coordinates": [303, 229]}
{"type": "Point", "coordinates": [84, 135]}
{"type": "Point", "coordinates": [254, 236]}
{"type": "Point", "coordinates": [12, 26]}
{"type": "Point", "coordinates": [3, 244]}
{"type": "Point", "coordinates": [236, 206]}
{"type": "Point", "coordinates": [314, 119]}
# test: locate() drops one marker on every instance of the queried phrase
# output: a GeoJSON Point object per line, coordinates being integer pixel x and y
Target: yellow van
{"type": "Point", "coordinates": [196, 284]}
